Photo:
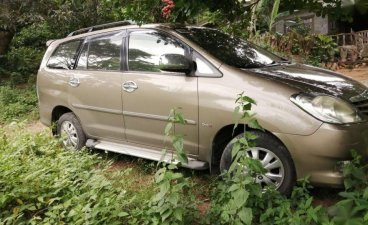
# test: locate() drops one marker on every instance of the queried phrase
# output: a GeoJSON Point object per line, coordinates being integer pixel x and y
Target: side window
{"type": "Point", "coordinates": [65, 55]}
{"type": "Point", "coordinates": [102, 53]}
{"type": "Point", "coordinates": [146, 48]}
{"type": "Point", "coordinates": [204, 68]}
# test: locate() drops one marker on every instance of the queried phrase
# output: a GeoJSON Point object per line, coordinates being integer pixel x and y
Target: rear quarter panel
{"type": "Point", "coordinates": [52, 88]}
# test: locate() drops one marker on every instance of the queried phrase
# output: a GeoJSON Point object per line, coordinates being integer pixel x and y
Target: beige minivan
{"type": "Point", "coordinates": [113, 88]}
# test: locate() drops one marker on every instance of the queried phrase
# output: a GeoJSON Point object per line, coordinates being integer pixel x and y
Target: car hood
{"type": "Point", "coordinates": [311, 79]}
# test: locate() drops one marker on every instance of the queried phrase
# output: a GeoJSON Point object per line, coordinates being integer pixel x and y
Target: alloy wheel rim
{"type": "Point", "coordinates": [275, 172]}
{"type": "Point", "coordinates": [69, 135]}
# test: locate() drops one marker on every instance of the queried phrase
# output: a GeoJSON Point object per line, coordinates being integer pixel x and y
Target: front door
{"type": "Point", "coordinates": [149, 94]}
{"type": "Point", "coordinates": [95, 87]}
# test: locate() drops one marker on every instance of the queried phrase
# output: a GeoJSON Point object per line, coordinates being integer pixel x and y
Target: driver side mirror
{"type": "Point", "coordinates": [175, 63]}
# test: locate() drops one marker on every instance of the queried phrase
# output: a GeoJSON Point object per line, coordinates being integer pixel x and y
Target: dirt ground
{"type": "Point", "coordinates": [360, 74]}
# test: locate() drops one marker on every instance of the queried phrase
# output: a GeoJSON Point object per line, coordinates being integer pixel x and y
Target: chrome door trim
{"type": "Point", "coordinates": [99, 109]}
{"type": "Point", "coordinates": [154, 117]}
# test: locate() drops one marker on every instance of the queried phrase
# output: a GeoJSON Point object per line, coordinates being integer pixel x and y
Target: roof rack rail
{"type": "Point", "coordinates": [102, 26]}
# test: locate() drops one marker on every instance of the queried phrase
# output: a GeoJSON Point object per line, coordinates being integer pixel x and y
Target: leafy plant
{"type": "Point", "coordinates": [236, 193]}
{"type": "Point", "coordinates": [173, 203]}
{"type": "Point", "coordinates": [324, 49]}
{"type": "Point", "coordinates": [17, 103]}
{"type": "Point", "coordinates": [353, 209]}
{"type": "Point", "coordinates": [274, 13]}
{"type": "Point", "coordinates": [41, 183]}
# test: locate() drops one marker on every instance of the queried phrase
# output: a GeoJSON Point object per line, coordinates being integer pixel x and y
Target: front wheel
{"type": "Point", "coordinates": [275, 158]}
{"type": "Point", "coordinates": [70, 131]}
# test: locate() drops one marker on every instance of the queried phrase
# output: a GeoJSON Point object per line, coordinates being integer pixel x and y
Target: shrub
{"type": "Point", "coordinates": [354, 205]}
{"type": "Point", "coordinates": [23, 63]}
{"type": "Point", "coordinates": [324, 49]}
{"type": "Point", "coordinates": [26, 51]}
{"type": "Point", "coordinates": [40, 183]}
{"type": "Point", "coordinates": [17, 103]}
{"type": "Point", "coordinates": [312, 49]}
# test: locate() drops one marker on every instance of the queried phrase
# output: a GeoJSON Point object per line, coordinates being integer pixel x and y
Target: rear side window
{"type": "Point", "coordinates": [102, 53]}
{"type": "Point", "coordinates": [65, 55]}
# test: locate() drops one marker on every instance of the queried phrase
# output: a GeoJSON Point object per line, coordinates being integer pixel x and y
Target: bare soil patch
{"type": "Point", "coordinates": [35, 127]}
{"type": "Point", "coordinates": [360, 74]}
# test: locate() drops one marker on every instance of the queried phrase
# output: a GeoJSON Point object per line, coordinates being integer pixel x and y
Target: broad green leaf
{"type": "Point", "coordinates": [240, 197]}
{"type": "Point", "coordinates": [166, 214]}
{"type": "Point", "coordinates": [246, 216]}
{"type": "Point", "coordinates": [233, 187]}
{"type": "Point", "coordinates": [168, 128]}
{"type": "Point", "coordinates": [163, 154]}
{"type": "Point", "coordinates": [253, 123]}
{"type": "Point", "coordinates": [178, 214]}
{"type": "Point", "coordinates": [123, 214]}
{"type": "Point", "coordinates": [274, 13]}
{"type": "Point", "coordinates": [248, 99]}
{"type": "Point", "coordinates": [180, 118]}
{"type": "Point", "coordinates": [182, 157]}
{"type": "Point", "coordinates": [366, 217]}
{"type": "Point", "coordinates": [236, 148]}
{"type": "Point", "coordinates": [247, 107]}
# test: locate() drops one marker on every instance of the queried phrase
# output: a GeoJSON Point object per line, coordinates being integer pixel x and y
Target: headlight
{"type": "Point", "coordinates": [327, 108]}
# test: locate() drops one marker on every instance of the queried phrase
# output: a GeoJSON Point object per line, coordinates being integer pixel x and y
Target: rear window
{"type": "Point", "coordinates": [65, 55]}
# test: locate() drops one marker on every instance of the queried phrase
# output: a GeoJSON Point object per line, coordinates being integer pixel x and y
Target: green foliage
{"type": "Point", "coordinates": [353, 209]}
{"type": "Point", "coordinates": [235, 194]}
{"type": "Point", "coordinates": [34, 35]}
{"type": "Point", "coordinates": [274, 13]}
{"type": "Point", "coordinates": [17, 103]}
{"type": "Point", "coordinates": [309, 48]}
{"type": "Point", "coordinates": [40, 183]}
{"type": "Point", "coordinates": [23, 63]}
{"type": "Point", "coordinates": [25, 54]}
{"type": "Point", "coordinates": [177, 140]}
{"type": "Point", "coordinates": [324, 49]}
{"type": "Point", "coordinates": [173, 203]}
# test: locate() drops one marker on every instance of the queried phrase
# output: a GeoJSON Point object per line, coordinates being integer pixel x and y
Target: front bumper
{"type": "Point", "coordinates": [317, 155]}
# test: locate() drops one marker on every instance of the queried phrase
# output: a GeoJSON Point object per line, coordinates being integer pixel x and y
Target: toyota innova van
{"type": "Point", "coordinates": [112, 86]}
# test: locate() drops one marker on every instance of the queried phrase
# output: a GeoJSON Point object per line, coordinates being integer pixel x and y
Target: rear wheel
{"type": "Point", "coordinates": [275, 158]}
{"type": "Point", "coordinates": [70, 131]}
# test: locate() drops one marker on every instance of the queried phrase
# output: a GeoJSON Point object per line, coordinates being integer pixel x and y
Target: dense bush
{"type": "Point", "coordinates": [17, 103]}
{"type": "Point", "coordinates": [25, 54]}
{"type": "Point", "coordinates": [40, 183]}
{"type": "Point", "coordinates": [297, 43]}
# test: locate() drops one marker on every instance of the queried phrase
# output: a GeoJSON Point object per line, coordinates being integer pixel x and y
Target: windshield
{"type": "Point", "coordinates": [231, 50]}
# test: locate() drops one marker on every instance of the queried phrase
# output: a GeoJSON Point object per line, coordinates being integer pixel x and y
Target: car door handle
{"type": "Point", "coordinates": [74, 82]}
{"type": "Point", "coordinates": [130, 86]}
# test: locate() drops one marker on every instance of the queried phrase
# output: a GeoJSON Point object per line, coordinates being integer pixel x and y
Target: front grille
{"type": "Point", "coordinates": [362, 106]}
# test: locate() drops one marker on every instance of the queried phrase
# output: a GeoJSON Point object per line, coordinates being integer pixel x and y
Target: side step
{"type": "Point", "coordinates": [141, 152]}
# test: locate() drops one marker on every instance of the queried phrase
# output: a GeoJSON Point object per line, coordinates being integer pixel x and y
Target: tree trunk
{"type": "Point", "coordinates": [5, 39]}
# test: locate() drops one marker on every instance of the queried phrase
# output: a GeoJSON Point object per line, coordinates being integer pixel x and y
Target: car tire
{"type": "Point", "coordinates": [70, 131]}
{"type": "Point", "coordinates": [280, 164]}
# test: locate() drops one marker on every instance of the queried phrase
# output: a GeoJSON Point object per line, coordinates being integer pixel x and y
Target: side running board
{"type": "Point", "coordinates": [141, 152]}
